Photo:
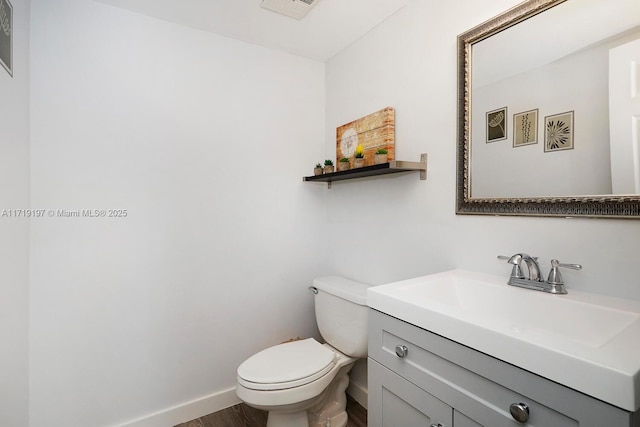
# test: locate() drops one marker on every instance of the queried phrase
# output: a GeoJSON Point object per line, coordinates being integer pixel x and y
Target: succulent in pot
{"type": "Point", "coordinates": [381, 156]}
{"type": "Point", "coordinates": [318, 169]}
{"type": "Point", "coordinates": [328, 166]}
{"type": "Point", "coordinates": [344, 164]}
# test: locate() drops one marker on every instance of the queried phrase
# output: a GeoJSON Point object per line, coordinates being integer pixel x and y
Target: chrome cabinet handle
{"type": "Point", "coordinates": [401, 351]}
{"type": "Point", "coordinates": [519, 412]}
{"type": "Point", "coordinates": [436, 425]}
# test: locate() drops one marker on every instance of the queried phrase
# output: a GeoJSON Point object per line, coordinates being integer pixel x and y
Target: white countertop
{"type": "Point", "coordinates": [588, 342]}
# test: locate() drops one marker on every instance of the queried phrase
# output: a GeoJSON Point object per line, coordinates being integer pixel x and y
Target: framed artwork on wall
{"type": "Point", "coordinates": [6, 36]}
{"type": "Point", "coordinates": [497, 125]}
{"type": "Point", "coordinates": [558, 132]}
{"type": "Point", "coordinates": [525, 128]}
{"type": "Point", "coordinates": [374, 131]}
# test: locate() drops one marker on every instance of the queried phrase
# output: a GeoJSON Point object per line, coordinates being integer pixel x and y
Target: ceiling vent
{"type": "Point", "coordinates": [294, 8]}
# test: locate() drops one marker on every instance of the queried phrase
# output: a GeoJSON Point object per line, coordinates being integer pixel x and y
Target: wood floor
{"type": "Point", "coordinates": [244, 416]}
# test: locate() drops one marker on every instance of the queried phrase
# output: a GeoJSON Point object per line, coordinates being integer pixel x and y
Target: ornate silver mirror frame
{"type": "Point", "coordinates": [614, 206]}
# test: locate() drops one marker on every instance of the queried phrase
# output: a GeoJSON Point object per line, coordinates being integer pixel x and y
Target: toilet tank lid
{"type": "Point", "coordinates": [350, 290]}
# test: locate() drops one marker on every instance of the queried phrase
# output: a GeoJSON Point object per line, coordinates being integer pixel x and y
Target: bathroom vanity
{"type": "Point", "coordinates": [434, 361]}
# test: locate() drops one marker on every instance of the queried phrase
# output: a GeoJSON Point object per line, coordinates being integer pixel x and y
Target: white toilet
{"type": "Point", "coordinates": [302, 383]}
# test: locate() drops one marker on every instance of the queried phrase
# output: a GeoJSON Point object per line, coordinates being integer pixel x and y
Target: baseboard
{"type": "Point", "coordinates": [359, 393]}
{"type": "Point", "coordinates": [212, 403]}
{"type": "Point", "coordinates": [187, 411]}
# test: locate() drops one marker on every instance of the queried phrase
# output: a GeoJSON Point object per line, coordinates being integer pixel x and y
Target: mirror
{"type": "Point", "coordinates": [549, 111]}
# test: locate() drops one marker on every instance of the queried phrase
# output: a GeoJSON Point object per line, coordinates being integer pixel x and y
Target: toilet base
{"type": "Point", "coordinates": [339, 420]}
{"type": "Point", "coordinates": [292, 419]}
{"type": "Point", "coordinates": [301, 419]}
{"type": "Point", "coordinates": [329, 409]}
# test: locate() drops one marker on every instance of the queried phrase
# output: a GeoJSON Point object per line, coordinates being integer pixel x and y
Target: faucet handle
{"type": "Point", "coordinates": [516, 271]}
{"type": "Point", "coordinates": [571, 266]}
{"type": "Point", "coordinates": [555, 278]}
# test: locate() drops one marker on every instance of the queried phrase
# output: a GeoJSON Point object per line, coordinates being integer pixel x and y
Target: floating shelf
{"type": "Point", "coordinates": [394, 166]}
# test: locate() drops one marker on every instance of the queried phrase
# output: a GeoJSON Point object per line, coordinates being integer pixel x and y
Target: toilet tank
{"type": "Point", "coordinates": [342, 313]}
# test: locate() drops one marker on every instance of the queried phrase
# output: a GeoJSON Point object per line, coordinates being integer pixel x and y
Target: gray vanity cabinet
{"type": "Point", "coordinates": [433, 381]}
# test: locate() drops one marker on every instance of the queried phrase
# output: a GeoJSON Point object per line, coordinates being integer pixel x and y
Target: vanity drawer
{"type": "Point", "coordinates": [478, 386]}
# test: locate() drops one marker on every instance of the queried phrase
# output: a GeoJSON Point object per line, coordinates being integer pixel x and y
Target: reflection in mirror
{"type": "Point", "coordinates": [550, 114]}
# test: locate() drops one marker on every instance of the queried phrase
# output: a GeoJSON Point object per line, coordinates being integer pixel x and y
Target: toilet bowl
{"type": "Point", "coordinates": [302, 383]}
{"type": "Point", "coordinates": [299, 383]}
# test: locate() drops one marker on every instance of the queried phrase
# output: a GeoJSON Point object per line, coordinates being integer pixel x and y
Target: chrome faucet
{"type": "Point", "coordinates": [532, 266]}
{"type": "Point", "coordinates": [554, 283]}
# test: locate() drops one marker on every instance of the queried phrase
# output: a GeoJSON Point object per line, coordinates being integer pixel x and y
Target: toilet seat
{"type": "Point", "coordinates": [286, 365]}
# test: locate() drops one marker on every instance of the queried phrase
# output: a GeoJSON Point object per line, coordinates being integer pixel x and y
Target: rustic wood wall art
{"type": "Point", "coordinates": [373, 132]}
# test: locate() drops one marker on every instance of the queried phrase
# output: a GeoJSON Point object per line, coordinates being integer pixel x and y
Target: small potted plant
{"type": "Point", "coordinates": [380, 156]}
{"type": "Point", "coordinates": [328, 166]}
{"type": "Point", "coordinates": [318, 169]}
{"type": "Point", "coordinates": [359, 156]}
{"type": "Point", "coordinates": [343, 164]}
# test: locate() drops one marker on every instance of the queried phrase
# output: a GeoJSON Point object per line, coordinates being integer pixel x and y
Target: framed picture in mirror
{"type": "Point", "coordinates": [497, 125]}
{"type": "Point", "coordinates": [525, 128]}
{"type": "Point", "coordinates": [558, 132]}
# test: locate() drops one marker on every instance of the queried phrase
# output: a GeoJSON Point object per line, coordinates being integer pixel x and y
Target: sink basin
{"type": "Point", "coordinates": [581, 340]}
{"type": "Point", "coordinates": [531, 315]}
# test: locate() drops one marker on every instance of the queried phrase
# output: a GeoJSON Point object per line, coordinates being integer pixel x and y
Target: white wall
{"type": "Point", "coordinates": [14, 231]}
{"type": "Point", "coordinates": [401, 227]}
{"type": "Point", "coordinates": [203, 140]}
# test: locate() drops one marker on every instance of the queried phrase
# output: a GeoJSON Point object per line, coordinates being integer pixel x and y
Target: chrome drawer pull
{"type": "Point", "coordinates": [519, 412]}
{"type": "Point", "coordinates": [436, 425]}
{"type": "Point", "coordinates": [401, 351]}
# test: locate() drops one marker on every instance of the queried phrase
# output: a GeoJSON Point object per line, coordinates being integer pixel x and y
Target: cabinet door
{"type": "Point", "coordinates": [461, 420]}
{"type": "Point", "coordinates": [396, 402]}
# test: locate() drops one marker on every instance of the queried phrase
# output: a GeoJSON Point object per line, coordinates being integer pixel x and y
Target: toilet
{"type": "Point", "coordinates": [302, 383]}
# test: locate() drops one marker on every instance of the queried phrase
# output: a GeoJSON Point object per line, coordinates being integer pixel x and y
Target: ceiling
{"type": "Point", "coordinates": [330, 26]}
